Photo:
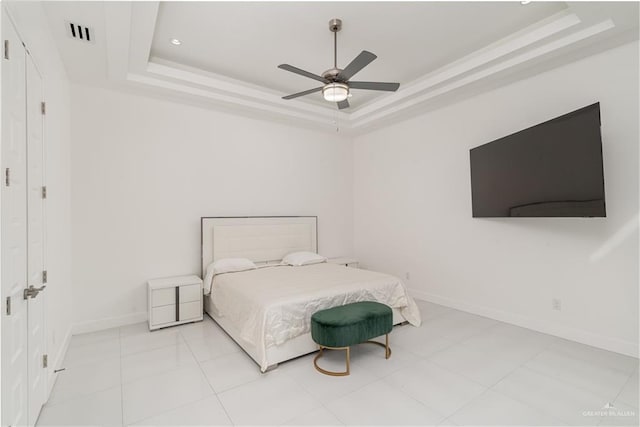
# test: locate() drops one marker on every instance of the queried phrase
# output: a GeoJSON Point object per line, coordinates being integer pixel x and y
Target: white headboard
{"type": "Point", "coordinates": [262, 239]}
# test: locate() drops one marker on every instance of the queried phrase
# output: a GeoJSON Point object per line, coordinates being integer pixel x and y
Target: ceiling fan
{"type": "Point", "coordinates": [337, 86]}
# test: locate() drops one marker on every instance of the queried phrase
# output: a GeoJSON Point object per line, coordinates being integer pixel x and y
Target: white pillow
{"type": "Point", "coordinates": [226, 265]}
{"type": "Point", "coordinates": [303, 258]}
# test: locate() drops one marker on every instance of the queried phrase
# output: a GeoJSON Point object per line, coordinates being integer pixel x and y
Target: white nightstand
{"type": "Point", "coordinates": [347, 262]}
{"type": "Point", "coordinates": [174, 301]}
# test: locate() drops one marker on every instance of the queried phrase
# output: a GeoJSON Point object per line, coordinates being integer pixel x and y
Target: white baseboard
{"type": "Point", "coordinates": [108, 323]}
{"type": "Point", "coordinates": [84, 327]}
{"type": "Point", "coordinates": [601, 341]}
{"type": "Point", "coordinates": [57, 362]}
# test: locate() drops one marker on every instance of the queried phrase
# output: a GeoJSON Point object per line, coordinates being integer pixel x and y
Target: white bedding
{"type": "Point", "coordinates": [274, 304]}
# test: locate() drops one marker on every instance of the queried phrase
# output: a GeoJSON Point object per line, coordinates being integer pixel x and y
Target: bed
{"type": "Point", "coordinates": [267, 310]}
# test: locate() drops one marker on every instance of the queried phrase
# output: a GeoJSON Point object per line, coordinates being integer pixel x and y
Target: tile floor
{"type": "Point", "coordinates": [456, 369]}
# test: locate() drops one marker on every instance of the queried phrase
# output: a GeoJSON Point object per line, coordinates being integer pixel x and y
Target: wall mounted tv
{"type": "Point", "coordinates": [553, 169]}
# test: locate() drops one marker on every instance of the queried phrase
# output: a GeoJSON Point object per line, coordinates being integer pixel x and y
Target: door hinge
{"type": "Point", "coordinates": [44, 276]}
{"type": "Point", "coordinates": [43, 108]}
{"type": "Point", "coordinates": [44, 192]}
{"type": "Point", "coordinates": [7, 173]}
{"type": "Point", "coordinates": [6, 49]}
{"type": "Point", "coordinates": [45, 361]}
{"type": "Point", "coordinates": [8, 306]}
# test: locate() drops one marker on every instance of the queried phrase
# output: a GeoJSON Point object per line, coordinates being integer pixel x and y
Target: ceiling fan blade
{"type": "Point", "coordinates": [356, 65]}
{"type": "Point", "coordinates": [306, 92]}
{"type": "Point", "coordinates": [343, 104]}
{"type": "Point", "coordinates": [389, 87]}
{"type": "Point", "coordinates": [297, 70]}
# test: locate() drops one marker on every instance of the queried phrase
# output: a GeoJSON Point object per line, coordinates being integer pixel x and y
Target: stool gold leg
{"type": "Point", "coordinates": [348, 359]}
{"type": "Point", "coordinates": [335, 374]}
{"type": "Point", "coordinates": [387, 349]}
{"type": "Point", "coordinates": [387, 352]}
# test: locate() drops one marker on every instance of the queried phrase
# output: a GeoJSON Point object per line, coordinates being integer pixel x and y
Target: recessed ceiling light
{"type": "Point", "coordinates": [176, 42]}
{"type": "Point", "coordinates": [525, 2]}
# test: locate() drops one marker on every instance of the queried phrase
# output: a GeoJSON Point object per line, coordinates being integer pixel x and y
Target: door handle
{"type": "Point", "coordinates": [32, 292]}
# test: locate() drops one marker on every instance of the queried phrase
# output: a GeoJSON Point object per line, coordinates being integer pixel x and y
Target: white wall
{"type": "Point", "coordinates": [413, 209]}
{"type": "Point", "coordinates": [145, 171]}
{"type": "Point", "coordinates": [34, 30]}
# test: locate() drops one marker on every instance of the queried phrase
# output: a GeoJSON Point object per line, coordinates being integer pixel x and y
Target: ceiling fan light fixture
{"type": "Point", "coordinates": [335, 92]}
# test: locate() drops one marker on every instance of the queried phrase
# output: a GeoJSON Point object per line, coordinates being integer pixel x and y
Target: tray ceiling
{"type": "Point", "coordinates": [438, 51]}
{"type": "Point", "coordinates": [247, 41]}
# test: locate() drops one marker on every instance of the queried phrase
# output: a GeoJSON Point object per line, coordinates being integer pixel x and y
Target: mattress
{"type": "Point", "coordinates": [272, 305]}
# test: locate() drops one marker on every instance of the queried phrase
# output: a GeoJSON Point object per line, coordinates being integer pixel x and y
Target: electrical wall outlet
{"type": "Point", "coordinates": [556, 304]}
{"type": "Point", "coordinates": [407, 276]}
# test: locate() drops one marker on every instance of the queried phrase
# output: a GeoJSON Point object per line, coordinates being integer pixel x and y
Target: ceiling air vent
{"type": "Point", "coordinates": [80, 32]}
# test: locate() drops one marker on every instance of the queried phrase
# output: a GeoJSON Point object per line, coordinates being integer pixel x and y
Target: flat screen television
{"type": "Point", "coordinates": [553, 169]}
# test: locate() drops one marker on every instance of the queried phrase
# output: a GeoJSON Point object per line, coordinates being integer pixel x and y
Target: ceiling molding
{"type": "Point", "coordinates": [143, 21]}
{"type": "Point", "coordinates": [129, 32]}
{"type": "Point", "coordinates": [144, 69]}
{"type": "Point", "coordinates": [489, 60]}
{"type": "Point", "coordinates": [219, 85]}
{"type": "Point", "coordinates": [491, 70]}
{"type": "Point", "coordinates": [524, 38]}
{"type": "Point", "coordinates": [232, 99]}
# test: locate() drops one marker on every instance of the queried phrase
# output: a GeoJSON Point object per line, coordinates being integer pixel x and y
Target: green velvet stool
{"type": "Point", "coordinates": [339, 328]}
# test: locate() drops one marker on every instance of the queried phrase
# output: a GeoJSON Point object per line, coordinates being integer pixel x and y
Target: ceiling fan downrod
{"type": "Point", "coordinates": [335, 25]}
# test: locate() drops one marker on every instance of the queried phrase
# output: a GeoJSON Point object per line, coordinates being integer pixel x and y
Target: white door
{"type": "Point", "coordinates": [35, 243]}
{"type": "Point", "coordinates": [14, 230]}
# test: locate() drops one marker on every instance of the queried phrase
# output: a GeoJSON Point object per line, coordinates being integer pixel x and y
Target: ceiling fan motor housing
{"type": "Point", "coordinates": [332, 74]}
